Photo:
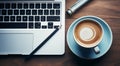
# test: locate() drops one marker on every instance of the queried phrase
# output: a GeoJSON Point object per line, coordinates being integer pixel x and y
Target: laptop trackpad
{"type": "Point", "coordinates": [16, 43]}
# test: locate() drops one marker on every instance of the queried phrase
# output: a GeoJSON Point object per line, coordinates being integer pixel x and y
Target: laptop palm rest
{"type": "Point", "coordinates": [12, 43]}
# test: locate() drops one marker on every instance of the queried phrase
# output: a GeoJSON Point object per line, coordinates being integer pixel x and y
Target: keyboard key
{"type": "Point", "coordinates": [14, 5]}
{"type": "Point", "coordinates": [37, 5]}
{"type": "Point", "coordinates": [56, 26]}
{"type": "Point", "coordinates": [7, 5]}
{"type": "Point", "coordinates": [46, 12]}
{"type": "Point", "coordinates": [1, 5]}
{"type": "Point", "coordinates": [1, 18]}
{"type": "Point", "coordinates": [31, 25]}
{"type": "Point", "coordinates": [30, 18]}
{"type": "Point", "coordinates": [24, 18]}
{"type": "Point", "coordinates": [13, 25]}
{"type": "Point", "coordinates": [4, 12]}
{"type": "Point", "coordinates": [43, 5]}
{"type": "Point", "coordinates": [6, 18]}
{"type": "Point", "coordinates": [22, 12]}
{"type": "Point", "coordinates": [44, 26]}
{"type": "Point", "coordinates": [56, 6]}
{"type": "Point", "coordinates": [31, 5]}
{"type": "Point", "coordinates": [28, 12]}
{"type": "Point", "coordinates": [57, 12]}
{"type": "Point", "coordinates": [38, 25]}
{"type": "Point", "coordinates": [18, 18]}
{"type": "Point", "coordinates": [49, 5]}
{"type": "Point", "coordinates": [10, 12]}
{"type": "Point", "coordinates": [37, 18]}
{"type": "Point", "coordinates": [42, 18]}
{"type": "Point", "coordinates": [19, 5]}
{"type": "Point", "coordinates": [0, 12]}
{"type": "Point", "coordinates": [40, 12]}
{"type": "Point", "coordinates": [25, 5]}
{"type": "Point", "coordinates": [16, 12]}
{"type": "Point", "coordinates": [34, 12]}
{"type": "Point", "coordinates": [52, 12]}
{"type": "Point", "coordinates": [12, 18]}
{"type": "Point", "coordinates": [53, 18]}
{"type": "Point", "coordinates": [50, 25]}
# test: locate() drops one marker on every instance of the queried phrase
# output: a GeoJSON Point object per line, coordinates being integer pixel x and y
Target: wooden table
{"type": "Point", "coordinates": [109, 10]}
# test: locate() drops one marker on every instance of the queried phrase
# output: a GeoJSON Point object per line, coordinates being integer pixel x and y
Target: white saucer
{"type": "Point", "coordinates": [104, 45]}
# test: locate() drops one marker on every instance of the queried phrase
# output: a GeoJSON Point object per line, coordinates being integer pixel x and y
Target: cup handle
{"type": "Point", "coordinates": [96, 50]}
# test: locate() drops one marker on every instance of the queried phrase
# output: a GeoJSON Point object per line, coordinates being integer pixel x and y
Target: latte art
{"type": "Point", "coordinates": [88, 33]}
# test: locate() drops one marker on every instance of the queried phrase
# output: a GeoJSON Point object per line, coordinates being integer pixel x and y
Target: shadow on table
{"type": "Point", "coordinates": [76, 61]}
{"type": "Point", "coordinates": [33, 58]}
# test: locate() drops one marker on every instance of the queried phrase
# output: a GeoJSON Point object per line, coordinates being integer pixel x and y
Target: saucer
{"type": "Point", "coordinates": [104, 45]}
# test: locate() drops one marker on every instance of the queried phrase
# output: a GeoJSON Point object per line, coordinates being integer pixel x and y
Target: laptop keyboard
{"type": "Point", "coordinates": [33, 15]}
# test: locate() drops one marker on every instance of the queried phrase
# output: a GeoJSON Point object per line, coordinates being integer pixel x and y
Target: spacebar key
{"type": "Point", "coordinates": [13, 25]}
{"type": "Point", "coordinates": [53, 18]}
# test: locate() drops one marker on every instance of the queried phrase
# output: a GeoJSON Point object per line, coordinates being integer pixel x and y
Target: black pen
{"type": "Point", "coordinates": [35, 50]}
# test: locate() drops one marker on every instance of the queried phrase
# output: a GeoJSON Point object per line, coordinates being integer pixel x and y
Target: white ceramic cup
{"type": "Point", "coordinates": [88, 33]}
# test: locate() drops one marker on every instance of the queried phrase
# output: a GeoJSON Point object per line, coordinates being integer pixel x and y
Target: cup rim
{"type": "Point", "coordinates": [79, 20]}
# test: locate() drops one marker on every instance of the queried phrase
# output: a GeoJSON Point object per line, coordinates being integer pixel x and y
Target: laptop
{"type": "Point", "coordinates": [24, 24]}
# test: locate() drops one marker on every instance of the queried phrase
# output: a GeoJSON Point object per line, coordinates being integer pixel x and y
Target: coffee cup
{"type": "Point", "coordinates": [88, 33]}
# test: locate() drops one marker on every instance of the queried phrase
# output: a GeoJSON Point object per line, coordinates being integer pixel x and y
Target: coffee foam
{"type": "Point", "coordinates": [88, 33]}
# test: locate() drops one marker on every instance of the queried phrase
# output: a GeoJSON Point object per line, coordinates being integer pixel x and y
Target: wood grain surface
{"type": "Point", "coordinates": [109, 10]}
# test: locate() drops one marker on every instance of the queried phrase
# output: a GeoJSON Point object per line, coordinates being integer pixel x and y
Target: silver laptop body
{"type": "Point", "coordinates": [25, 24]}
